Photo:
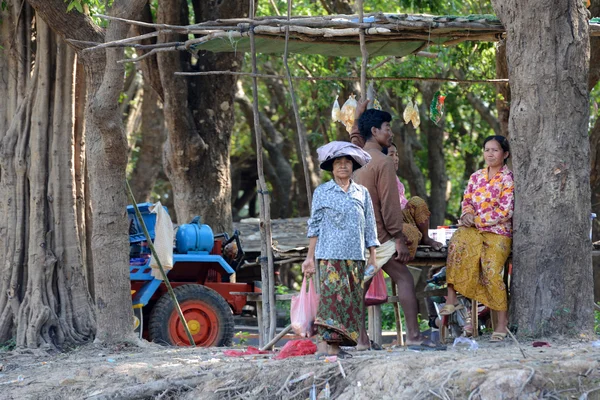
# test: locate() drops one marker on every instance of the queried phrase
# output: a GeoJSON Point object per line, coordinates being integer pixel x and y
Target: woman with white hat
{"type": "Point", "coordinates": [340, 229]}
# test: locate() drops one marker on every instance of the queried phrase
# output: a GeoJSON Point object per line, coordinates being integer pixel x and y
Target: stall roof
{"type": "Point", "coordinates": [338, 35]}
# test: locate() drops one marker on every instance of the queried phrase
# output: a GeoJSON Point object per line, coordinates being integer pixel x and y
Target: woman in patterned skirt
{"type": "Point", "coordinates": [481, 245]}
{"type": "Point", "coordinates": [341, 227]}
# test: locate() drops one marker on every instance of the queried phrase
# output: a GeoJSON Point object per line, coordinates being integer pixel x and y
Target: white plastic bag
{"type": "Point", "coordinates": [163, 240]}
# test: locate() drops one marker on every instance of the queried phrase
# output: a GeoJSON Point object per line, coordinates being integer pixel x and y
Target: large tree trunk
{"type": "Point", "coordinates": [106, 151]}
{"type": "Point", "coordinates": [547, 50]}
{"type": "Point", "coordinates": [595, 147]}
{"type": "Point", "coordinates": [199, 117]}
{"type": "Point", "coordinates": [44, 296]}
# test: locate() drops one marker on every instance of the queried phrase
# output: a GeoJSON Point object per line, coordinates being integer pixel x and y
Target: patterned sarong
{"type": "Point", "coordinates": [416, 213]}
{"type": "Point", "coordinates": [338, 316]}
{"type": "Point", "coordinates": [475, 263]}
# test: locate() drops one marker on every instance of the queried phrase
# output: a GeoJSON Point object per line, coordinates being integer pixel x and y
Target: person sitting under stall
{"type": "Point", "coordinates": [415, 213]}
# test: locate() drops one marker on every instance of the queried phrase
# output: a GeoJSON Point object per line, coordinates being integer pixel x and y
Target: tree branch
{"type": "Point", "coordinates": [69, 25]}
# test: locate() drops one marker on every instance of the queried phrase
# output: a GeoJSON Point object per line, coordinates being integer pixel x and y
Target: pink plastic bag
{"type": "Point", "coordinates": [295, 348]}
{"type": "Point", "coordinates": [377, 293]}
{"type": "Point", "coordinates": [304, 309]}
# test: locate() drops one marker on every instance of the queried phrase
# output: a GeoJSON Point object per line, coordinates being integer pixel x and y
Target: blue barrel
{"type": "Point", "coordinates": [192, 238]}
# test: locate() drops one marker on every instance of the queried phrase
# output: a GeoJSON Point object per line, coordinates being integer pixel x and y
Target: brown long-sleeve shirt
{"type": "Point", "coordinates": [379, 177]}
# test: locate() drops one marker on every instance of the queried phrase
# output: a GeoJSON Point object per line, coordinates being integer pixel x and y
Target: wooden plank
{"type": "Point", "coordinates": [257, 296]}
{"type": "Point", "coordinates": [375, 324]}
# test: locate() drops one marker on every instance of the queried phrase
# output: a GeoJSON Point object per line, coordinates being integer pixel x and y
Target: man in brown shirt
{"type": "Point", "coordinates": [379, 177]}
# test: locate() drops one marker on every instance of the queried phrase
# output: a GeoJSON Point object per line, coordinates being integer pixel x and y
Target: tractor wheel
{"type": "Point", "coordinates": [207, 314]}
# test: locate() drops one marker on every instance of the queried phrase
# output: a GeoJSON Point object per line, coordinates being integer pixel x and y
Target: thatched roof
{"type": "Point", "coordinates": [338, 35]}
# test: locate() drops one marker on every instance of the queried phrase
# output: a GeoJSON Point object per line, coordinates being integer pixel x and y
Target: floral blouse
{"type": "Point", "coordinates": [343, 221]}
{"type": "Point", "coordinates": [492, 202]}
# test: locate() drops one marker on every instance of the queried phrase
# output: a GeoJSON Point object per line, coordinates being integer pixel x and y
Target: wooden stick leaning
{"type": "Point", "coordinates": [276, 339]}
{"type": "Point", "coordinates": [299, 130]}
{"type": "Point", "coordinates": [266, 259]}
{"type": "Point", "coordinates": [160, 267]}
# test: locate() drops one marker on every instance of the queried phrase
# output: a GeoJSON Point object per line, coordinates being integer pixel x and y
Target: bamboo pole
{"type": "Point", "coordinates": [346, 78]}
{"type": "Point", "coordinates": [266, 260]}
{"type": "Point", "coordinates": [364, 53]}
{"type": "Point", "coordinates": [160, 267]}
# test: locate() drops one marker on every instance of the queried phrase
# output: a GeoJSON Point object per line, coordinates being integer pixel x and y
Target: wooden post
{"type": "Point", "coordinates": [475, 317]}
{"type": "Point", "coordinates": [363, 51]}
{"type": "Point", "coordinates": [266, 253]}
{"type": "Point", "coordinates": [375, 324]}
{"type": "Point", "coordinates": [399, 328]}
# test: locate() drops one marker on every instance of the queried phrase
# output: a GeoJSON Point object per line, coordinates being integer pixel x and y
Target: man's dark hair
{"type": "Point", "coordinates": [372, 118]}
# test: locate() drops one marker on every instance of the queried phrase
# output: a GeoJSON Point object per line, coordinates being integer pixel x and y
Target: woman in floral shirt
{"type": "Point", "coordinates": [479, 249]}
{"type": "Point", "coordinates": [340, 228]}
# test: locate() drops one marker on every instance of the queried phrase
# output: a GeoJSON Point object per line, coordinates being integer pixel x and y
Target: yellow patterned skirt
{"type": "Point", "coordinates": [415, 213]}
{"type": "Point", "coordinates": [475, 263]}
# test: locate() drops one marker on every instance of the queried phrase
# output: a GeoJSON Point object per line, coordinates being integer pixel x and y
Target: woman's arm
{"type": "Point", "coordinates": [308, 266]}
{"type": "Point", "coordinates": [370, 224]}
{"type": "Point", "coordinates": [467, 203]}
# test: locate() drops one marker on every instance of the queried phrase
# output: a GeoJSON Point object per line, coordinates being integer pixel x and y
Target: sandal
{"type": "Point", "coordinates": [498, 337]}
{"type": "Point", "coordinates": [342, 355]}
{"type": "Point", "coordinates": [449, 309]}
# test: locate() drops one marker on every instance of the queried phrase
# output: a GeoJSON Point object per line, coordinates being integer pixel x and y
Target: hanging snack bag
{"type": "Point", "coordinates": [376, 104]}
{"type": "Point", "coordinates": [411, 114]}
{"type": "Point", "coordinates": [336, 113]}
{"type": "Point", "coordinates": [348, 111]}
{"type": "Point", "coordinates": [436, 110]}
{"type": "Point", "coordinates": [415, 118]}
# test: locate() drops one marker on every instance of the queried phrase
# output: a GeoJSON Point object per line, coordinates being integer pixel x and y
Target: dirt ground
{"type": "Point", "coordinates": [567, 370]}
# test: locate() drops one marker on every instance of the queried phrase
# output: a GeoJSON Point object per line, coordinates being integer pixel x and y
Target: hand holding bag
{"type": "Point", "coordinates": [377, 293]}
{"type": "Point", "coordinates": [304, 309]}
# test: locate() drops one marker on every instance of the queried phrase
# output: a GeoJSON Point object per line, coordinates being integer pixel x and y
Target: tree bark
{"type": "Point", "coordinates": [503, 96]}
{"type": "Point", "coordinates": [199, 117]}
{"type": "Point", "coordinates": [547, 50]}
{"type": "Point", "coordinates": [594, 77]}
{"type": "Point", "coordinates": [154, 134]}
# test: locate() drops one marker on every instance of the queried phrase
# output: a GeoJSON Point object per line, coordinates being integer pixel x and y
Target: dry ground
{"type": "Point", "coordinates": [567, 370]}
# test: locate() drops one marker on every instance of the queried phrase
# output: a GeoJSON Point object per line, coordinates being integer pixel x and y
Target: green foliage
{"type": "Point", "coordinates": [242, 337]}
{"type": "Point", "coordinates": [597, 320]}
{"type": "Point", "coordinates": [9, 345]}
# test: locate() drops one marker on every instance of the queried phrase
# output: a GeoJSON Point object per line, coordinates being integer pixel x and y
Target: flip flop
{"type": "Point", "coordinates": [375, 346]}
{"type": "Point", "coordinates": [498, 337]}
{"type": "Point", "coordinates": [320, 356]}
{"type": "Point", "coordinates": [449, 309]}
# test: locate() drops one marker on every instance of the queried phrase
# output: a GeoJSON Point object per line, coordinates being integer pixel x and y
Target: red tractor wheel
{"type": "Point", "coordinates": [208, 316]}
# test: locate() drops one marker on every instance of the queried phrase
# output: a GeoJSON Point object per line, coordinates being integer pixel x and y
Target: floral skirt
{"type": "Point", "coordinates": [339, 313]}
{"type": "Point", "coordinates": [475, 263]}
{"type": "Point", "coordinates": [416, 213]}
